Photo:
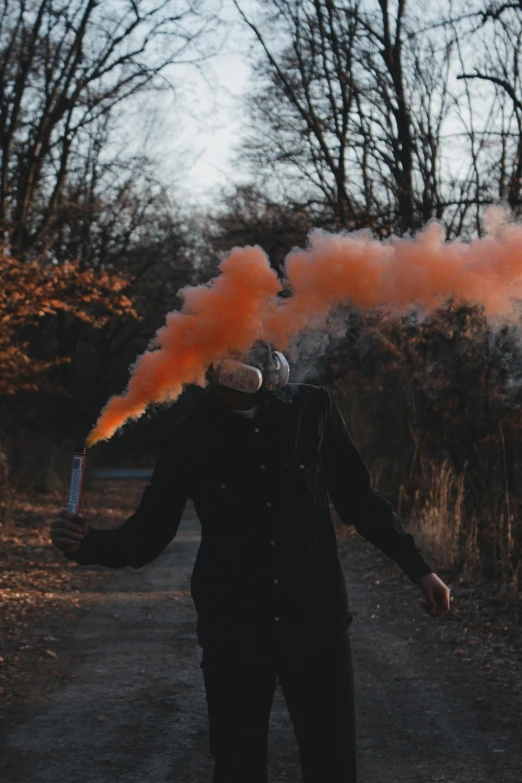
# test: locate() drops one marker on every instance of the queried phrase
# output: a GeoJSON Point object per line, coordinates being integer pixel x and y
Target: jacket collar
{"type": "Point", "coordinates": [215, 404]}
{"type": "Point", "coordinates": [281, 396]}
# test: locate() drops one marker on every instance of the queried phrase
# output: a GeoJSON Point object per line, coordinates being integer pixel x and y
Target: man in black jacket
{"type": "Point", "coordinates": [267, 585]}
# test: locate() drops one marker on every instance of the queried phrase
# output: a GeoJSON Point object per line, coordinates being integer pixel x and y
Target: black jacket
{"type": "Point", "coordinates": [268, 555]}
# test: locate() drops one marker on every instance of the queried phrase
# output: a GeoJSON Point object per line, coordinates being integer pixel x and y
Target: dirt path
{"type": "Point", "coordinates": [124, 699]}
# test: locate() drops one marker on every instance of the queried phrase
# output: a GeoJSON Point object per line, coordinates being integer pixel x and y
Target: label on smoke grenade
{"type": "Point", "coordinates": [75, 488]}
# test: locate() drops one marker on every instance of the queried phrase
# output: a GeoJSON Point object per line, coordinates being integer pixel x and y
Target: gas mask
{"type": "Point", "coordinates": [263, 368]}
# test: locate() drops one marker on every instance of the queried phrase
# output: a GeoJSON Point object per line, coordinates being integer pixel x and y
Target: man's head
{"type": "Point", "coordinates": [250, 375]}
{"type": "Point", "coordinates": [271, 364]}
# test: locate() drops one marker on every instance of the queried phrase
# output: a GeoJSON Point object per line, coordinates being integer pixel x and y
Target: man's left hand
{"type": "Point", "coordinates": [437, 595]}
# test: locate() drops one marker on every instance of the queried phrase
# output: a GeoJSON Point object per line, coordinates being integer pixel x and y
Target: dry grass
{"type": "Point", "coordinates": [466, 521]}
{"type": "Point", "coordinates": [438, 518]}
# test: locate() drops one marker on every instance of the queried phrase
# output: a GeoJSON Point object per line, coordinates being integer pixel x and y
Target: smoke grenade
{"type": "Point", "coordinates": [77, 480]}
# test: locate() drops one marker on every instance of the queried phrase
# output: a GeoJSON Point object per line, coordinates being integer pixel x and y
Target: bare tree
{"type": "Point", "coordinates": [353, 105]}
{"type": "Point", "coordinates": [309, 105]}
{"type": "Point", "coordinates": [383, 57]}
{"type": "Point", "coordinates": [499, 66]}
{"type": "Point", "coordinates": [64, 66]}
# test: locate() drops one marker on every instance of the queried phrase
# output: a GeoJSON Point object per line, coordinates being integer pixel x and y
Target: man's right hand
{"type": "Point", "coordinates": [68, 531]}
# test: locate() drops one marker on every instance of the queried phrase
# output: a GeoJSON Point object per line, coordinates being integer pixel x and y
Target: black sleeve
{"type": "Point", "coordinates": [150, 529]}
{"type": "Point", "coordinates": [356, 500]}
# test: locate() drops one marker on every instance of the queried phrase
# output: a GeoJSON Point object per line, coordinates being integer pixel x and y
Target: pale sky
{"type": "Point", "coordinates": [201, 127]}
{"type": "Point", "coordinates": [215, 136]}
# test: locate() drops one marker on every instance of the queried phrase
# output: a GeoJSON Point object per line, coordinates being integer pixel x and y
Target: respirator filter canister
{"type": "Point", "coordinates": [248, 379]}
{"type": "Point", "coordinates": [239, 376]}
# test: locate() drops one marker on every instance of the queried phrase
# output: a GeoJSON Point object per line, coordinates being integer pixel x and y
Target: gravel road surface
{"type": "Point", "coordinates": [124, 699]}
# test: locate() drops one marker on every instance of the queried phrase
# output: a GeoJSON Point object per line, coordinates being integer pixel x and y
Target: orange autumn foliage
{"type": "Point", "coordinates": [31, 291]}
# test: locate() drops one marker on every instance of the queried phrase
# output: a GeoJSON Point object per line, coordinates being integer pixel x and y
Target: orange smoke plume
{"type": "Point", "coordinates": [240, 305]}
{"type": "Point", "coordinates": [398, 273]}
{"type": "Point", "coordinates": [214, 320]}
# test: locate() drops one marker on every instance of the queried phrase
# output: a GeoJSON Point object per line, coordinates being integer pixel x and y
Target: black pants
{"type": "Point", "coordinates": [319, 693]}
